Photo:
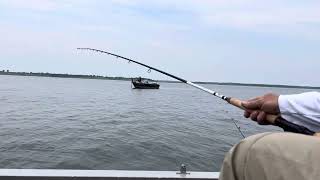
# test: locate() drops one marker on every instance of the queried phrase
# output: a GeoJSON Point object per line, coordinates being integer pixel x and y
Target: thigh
{"type": "Point", "coordinates": [274, 156]}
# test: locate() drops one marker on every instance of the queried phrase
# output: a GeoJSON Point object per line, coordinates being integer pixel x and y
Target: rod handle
{"type": "Point", "coordinates": [277, 120]}
{"type": "Point", "coordinates": [238, 103]}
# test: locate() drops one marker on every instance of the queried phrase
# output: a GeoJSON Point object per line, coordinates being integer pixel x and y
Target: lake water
{"type": "Point", "coordinates": [98, 124]}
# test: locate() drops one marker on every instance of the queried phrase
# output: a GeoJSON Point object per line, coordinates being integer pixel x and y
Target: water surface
{"type": "Point", "coordinates": [59, 123]}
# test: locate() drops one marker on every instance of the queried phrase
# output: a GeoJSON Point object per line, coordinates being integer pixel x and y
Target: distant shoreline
{"type": "Point", "coordinates": [55, 75]}
{"type": "Point", "coordinates": [129, 79]}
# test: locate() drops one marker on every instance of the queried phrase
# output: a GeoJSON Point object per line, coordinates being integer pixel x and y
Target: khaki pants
{"type": "Point", "coordinates": [273, 156]}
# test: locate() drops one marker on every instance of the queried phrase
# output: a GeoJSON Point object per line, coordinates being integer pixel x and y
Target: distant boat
{"type": "Point", "coordinates": [139, 83]}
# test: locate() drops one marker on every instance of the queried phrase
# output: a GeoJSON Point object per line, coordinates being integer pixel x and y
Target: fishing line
{"type": "Point", "coordinates": [273, 119]}
{"type": "Point", "coordinates": [238, 127]}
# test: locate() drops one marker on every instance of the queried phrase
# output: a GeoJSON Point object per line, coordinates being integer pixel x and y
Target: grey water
{"type": "Point", "coordinates": [57, 123]}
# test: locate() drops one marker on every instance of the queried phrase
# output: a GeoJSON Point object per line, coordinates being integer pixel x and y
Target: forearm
{"type": "Point", "coordinates": [302, 109]}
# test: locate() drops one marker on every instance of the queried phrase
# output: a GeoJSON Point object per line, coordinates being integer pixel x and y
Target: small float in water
{"type": "Point", "coordinates": [139, 83]}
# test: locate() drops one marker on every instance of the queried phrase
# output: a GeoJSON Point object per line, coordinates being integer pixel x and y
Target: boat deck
{"type": "Point", "coordinates": [32, 174]}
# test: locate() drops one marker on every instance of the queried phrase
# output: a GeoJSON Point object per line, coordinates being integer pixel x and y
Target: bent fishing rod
{"type": "Point", "coordinates": [276, 120]}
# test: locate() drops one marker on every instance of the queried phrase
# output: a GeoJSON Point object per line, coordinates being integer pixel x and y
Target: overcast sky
{"type": "Point", "coordinates": [249, 41]}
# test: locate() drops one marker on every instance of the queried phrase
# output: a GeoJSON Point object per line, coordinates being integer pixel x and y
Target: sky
{"type": "Point", "coordinates": [243, 41]}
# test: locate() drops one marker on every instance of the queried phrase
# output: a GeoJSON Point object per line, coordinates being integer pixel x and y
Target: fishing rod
{"type": "Point", "coordinates": [276, 120]}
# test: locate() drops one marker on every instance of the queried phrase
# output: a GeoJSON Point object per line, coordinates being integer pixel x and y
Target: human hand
{"type": "Point", "coordinates": [258, 108]}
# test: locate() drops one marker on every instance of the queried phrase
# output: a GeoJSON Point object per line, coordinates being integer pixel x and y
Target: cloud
{"type": "Point", "coordinates": [200, 34]}
{"type": "Point", "coordinates": [250, 15]}
{"type": "Point", "coordinates": [40, 5]}
{"type": "Point", "coordinates": [287, 17]}
{"type": "Point", "coordinates": [264, 19]}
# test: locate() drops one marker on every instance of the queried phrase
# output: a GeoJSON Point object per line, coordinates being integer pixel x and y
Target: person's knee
{"type": "Point", "coordinates": [235, 160]}
{"type": "Point", "coordinates": [240, 151]}
{"type": "Point", "coordinates": [266, 154]}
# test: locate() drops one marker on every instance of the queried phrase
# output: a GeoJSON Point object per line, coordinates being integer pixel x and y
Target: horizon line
{"type": "Point", "coordinates": [86, 76]}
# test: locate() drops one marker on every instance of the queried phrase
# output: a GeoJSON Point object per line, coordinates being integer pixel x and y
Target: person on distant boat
{"type": "Point", "coordinates": [271, 156]}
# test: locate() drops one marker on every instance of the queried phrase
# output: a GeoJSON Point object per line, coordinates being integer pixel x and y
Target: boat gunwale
{"type": "Point", "coordinates": [119, 174]}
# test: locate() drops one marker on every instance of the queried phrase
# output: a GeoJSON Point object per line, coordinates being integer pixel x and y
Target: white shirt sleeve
{"type": "Point", "coordinates": [301, 109]}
